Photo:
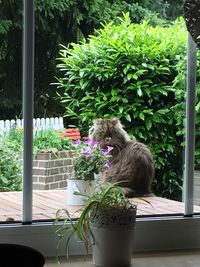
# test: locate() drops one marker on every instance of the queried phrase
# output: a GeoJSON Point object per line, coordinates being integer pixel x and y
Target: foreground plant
{"type": "Point", "coordinates": [107, 197]}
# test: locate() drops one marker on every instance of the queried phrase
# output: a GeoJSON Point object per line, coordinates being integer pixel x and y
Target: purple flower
{"type": "Point", "coordinates": [87, 152]}
{"type": "Point", "coordinates": [95, 144]}
{"type": "Point", "coordinates": [108, 165]}
{"type": "Point", "coordinates": [91, 143]}
{"type": "Point", "coordinates": [77, 142]}
{"type": "Point", "coordinates": [107, 150]}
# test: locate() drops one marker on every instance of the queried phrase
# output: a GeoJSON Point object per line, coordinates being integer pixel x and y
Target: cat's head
{"type": "Point", "coordinates": [109, 132]}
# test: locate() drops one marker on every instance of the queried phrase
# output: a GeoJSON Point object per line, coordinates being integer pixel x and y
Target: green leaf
{"type": "Point", "coordinates": [141, 115]}
{"type": "Point", "coordinates": [4, 179]}
{"type": "Point", "coordinates": [139, 92]}
{"type": "Point", "coordinates": [128, 117]}
{"type": "Point", "coordinates": [148, 124]}
{"type": "Point", "coordinates": [121, 109]}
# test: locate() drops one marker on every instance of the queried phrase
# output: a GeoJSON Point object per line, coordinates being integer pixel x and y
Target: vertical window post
{"type": "Point", "coordinates": [190, 128]}
{"type": "Point", "coordinates": [28, 89]}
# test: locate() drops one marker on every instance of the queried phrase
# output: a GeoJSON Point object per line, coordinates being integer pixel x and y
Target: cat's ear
{"type": "Point", "coordinates": [116, 121]}
{"type": "Point", "coordinates": [98, 121]}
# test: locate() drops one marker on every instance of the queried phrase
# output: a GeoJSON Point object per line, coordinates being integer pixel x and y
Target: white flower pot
{"type": "Point", "coordinates": [80, 186]}
{"type": "Point", "coordinates": [98, 178]}
{"type": "Point", "coordinates": [113, 232]}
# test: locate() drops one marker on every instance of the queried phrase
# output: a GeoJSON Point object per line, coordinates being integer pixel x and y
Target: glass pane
{"type": "Point", "coordinates": [50, 165]}
{"type": "Point", "coordinates": [134, 71]}
{"type": "Point", "coordinates": [197, 143]}
{"type": "Point", "coordinates": [10, 111]}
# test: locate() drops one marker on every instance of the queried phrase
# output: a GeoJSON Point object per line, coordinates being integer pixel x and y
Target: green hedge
{"type": "Point", "coordinates": [130, 71]}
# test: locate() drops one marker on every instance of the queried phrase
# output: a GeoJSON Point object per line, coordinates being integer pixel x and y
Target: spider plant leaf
{"type": "Point", "coordinates": [83, 219]}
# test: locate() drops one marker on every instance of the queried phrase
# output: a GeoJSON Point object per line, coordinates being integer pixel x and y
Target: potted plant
{"type": "Point", "coordinates": [106, 223]}
{"type": "Point", "coordinates": [89, 161]}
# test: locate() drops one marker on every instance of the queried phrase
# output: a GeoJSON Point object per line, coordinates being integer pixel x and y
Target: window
{"type": "Point", "coordinates": [151, 233]}
{"type": "Point", "coordinates": [11, 105]}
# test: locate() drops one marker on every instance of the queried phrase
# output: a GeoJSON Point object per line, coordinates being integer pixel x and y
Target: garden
{"type": "Point", "coordinates": [48, 142]}
{"type": "Point", "coordinates": [130, 67]}
{"type": "Point", "coordinates": [135, 72]}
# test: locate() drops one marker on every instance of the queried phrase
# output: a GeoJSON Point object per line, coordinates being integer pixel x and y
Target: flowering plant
{"type": "Point", "coordinates": [90, 159]}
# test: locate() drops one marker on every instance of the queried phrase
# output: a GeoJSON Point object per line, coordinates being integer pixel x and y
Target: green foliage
{"type": "Point", "coordinates": [55, 22]}
{"type": "Point", "coordinates": [10, 167]}
{"type": "Point", "coordinates": [197, 141]}
{"type": "Point", "coordinates": [128, 71]}
{"type": "Point", "coordinates": [179, 85]}
{"type": "Point", "coordinates": [43, 140]}
{"type": "Point", "coordinates": [167, 9]}
{"type": "Point", "coordinates": [11, 147]}
{"type": "Point", "coordinates": [14, 137]}
{"type": "Point", "coordinates": [138, 13]}
{"type": "Point", "coordinates": [49, 139]}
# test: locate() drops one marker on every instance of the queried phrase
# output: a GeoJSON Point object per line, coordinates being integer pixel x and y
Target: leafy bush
{"type": "Point", "coordinates": [50, 139]}
{"type": "Point", "coordinates": [10, 168]}
{"type": "Point", "coordinates": [43, 140]}
{"type": "Point", "coordinates": [128, 71]}
{"type": "Point", "coordinates": [197, 152]}
{"type": "Point", "coordinates": [56, 21]}
{"type": "Point", "coordinates": [14, 138]}
{"type": "Point", "coordinates": [179, 85]}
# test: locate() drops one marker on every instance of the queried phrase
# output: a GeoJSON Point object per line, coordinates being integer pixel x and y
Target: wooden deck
{"type": "Point", "coordinates": [45, 204]}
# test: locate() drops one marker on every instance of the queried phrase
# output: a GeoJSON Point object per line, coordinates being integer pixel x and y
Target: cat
{"type": "Point", "coordinates": [132, 164]}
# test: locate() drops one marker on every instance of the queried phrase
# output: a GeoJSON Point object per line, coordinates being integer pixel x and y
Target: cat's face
{"type": "Point", "coordinates": [108, 132]}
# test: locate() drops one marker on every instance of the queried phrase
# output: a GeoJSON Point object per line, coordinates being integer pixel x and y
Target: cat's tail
{"type": "Point", "coordinates": [130, 193]}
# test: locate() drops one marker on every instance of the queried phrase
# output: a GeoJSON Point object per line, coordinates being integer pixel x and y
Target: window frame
{"type": "Point", "coordinates": [157, 233]}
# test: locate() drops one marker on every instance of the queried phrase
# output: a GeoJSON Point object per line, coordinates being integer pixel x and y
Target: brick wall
{"type": "Point", "coordinates": [51, 170]}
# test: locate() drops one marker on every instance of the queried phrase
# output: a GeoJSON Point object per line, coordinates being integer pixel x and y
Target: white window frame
{"type": "Point", "coordinates": [166, 233]}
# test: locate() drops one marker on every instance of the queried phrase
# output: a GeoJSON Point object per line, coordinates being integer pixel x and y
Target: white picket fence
{"type": "Point", "coordinates": [38, 124]}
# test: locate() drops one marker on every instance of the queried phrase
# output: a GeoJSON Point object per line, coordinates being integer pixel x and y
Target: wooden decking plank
{"type": "Point", "coordinates": [13, 196]}
{"type": "Point", "coordinates": [4, 208]}
{"type": "Point", "coordinates": [55, 194]}
{"type": "Point", "coordinates": [16, 202]}
{"type": "Point", "coordinates": [46, 203]}
{"type": "Point", "coordinates": [50, 196]}
{"type": "Point", "coordinates": [9, 204]}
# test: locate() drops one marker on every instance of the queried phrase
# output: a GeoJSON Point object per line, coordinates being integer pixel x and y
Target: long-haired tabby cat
{"type": "Point", "coordinates": [132, 162]}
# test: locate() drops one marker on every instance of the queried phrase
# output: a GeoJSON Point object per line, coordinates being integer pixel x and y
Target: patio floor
{"type": "Point", "coordinates": [45, 204]}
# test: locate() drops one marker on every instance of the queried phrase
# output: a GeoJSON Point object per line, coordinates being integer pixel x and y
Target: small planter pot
{"type": "Point", "coordinates": [97, 181]}
{"type": "Point", "coordinates": [78, 186]}
{"type": "Point", "coordinates": [113, 231]}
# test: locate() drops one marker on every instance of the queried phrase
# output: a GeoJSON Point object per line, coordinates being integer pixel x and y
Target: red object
{"type": "Point", "coordinates": [71, 133]}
